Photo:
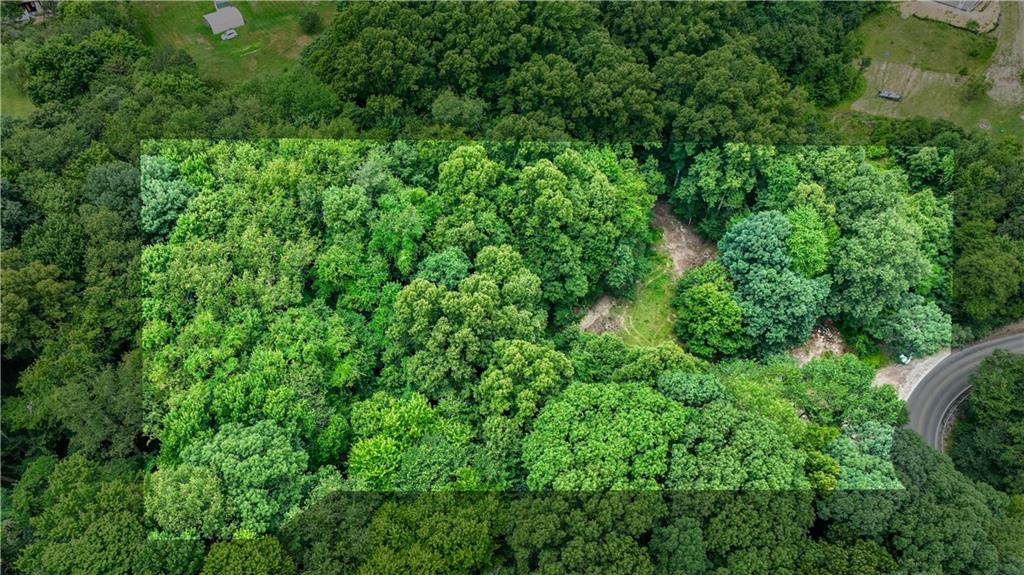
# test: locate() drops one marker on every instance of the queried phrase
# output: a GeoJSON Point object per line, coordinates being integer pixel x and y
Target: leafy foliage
{"type": "Point", "coordinates": [709, 319]}
{"type": "Point", "coordinates": [212, 336]}
{"type": "Point", "coordinates": [987, 440]}
{"type": "Point", "coordinates": [602, 436]}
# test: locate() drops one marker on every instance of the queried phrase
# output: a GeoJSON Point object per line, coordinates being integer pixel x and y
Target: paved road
{"type": "Point", "coordinates": [935, 397]}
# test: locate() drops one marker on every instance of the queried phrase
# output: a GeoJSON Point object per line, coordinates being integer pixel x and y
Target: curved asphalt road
{"type": "Point", "coordinates": [939, 392]}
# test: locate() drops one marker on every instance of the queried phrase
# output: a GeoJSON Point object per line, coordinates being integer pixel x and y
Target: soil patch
{"type": "Point", "coordinates": [1008, 60]}
{"type": "Point", "coordinates": [679, 242]}
{"type": "Point", "coordinates": [986, 16]}
{"type": "Point", "coordinates": [905, 377]}
{"type": "Point", "coordinates": [600, 317]}
{"type": "Point", "coordinates": [825, 339]}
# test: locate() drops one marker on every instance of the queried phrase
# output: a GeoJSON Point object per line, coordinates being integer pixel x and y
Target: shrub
{"type": "Point", "coordinates": [311, 22]}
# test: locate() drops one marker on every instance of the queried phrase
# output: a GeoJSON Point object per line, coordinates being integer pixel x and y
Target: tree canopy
{"type": "Point", "coordinates": [324, 318]}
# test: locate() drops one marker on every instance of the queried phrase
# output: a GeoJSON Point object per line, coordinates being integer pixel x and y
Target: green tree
{"type": "Point", "coordinates": [311, 22]}
{"type": "Point", "coordinates": [987, 441]}
{"type": "Point", "coordinates": [449, 335]}
{"type": "Point", "coordinates": [839, 391]}
{"type": "Point", "coordinates": [916, 328]}
{"type": "Point", "coordinates": [164, 196]}
{"type": "Point", "coordinates": [262, 478]}
{"type": "Point", "coordinates": [808, 242]}
{"type": "Point", "coordinates": [760, 108]}
{"type": "Point", "coordinates": [188, 502]}
{"type": "Point", "coordinates": [602, 436]}
{"type": "Point", "coordinates": [709, 321]}
{"type": "Point", "coordinates": [864, 453]}
{"type": "Point", "coordinates": [691, 389]}
{"type": "Point", "coordinates": [780, 308]}
{"type": "Point", "coordinates": [114, 186]}
{"type": "Point", "coordinates": [258, 556]}
{"type": "Point", "coordinates": [757, 241]}
{"type": "Point", "coordinates": [986, 277]}
{"type": "Point", "coordinates": [519, 379]}
{"type": "Point", "coordinates": [445, 268]}
{"type": "Point", "coordinates": [404, 444]}
{"type": "Point", "coordinates": [35, 302]}
{"type": "Point", "coordinates": [717, 185]}
{"type": "Point", "coordinates": [868, 193]}
{"type": "Point", "coordinates": [580, 531]}
{"type": "Point", "coordinates": [723, 448]}
{"type": "Point", "coordinates": [435, 533]}
{"type": "Point", "coordinates": [89, 520]}
{"type": "Point", "coordinates": [875, 266]}
{"type": "Point", "coordinates": [62, 68]}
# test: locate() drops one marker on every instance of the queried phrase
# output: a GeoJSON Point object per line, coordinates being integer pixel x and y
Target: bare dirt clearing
{"type": "Point", "coordinates": [647, 318]}
{"type": "Point", "coordinates": [987, 17]}
{"type": "Point", "coordinates": [599, 317]}
{"type": "Point", "coordinates": [825, 339]}
{"type": "Point", "coordinates": [682, 245]}
{"type": "Point", "coordinates": [905, 377]}
{"type": "Point", "coordinates": [1008, 60]}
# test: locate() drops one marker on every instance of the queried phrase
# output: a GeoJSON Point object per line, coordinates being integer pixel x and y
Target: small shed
{"type": "Point", "coordinates": [224, 19]}
{"type": "Point", "coordinates": [894, 96]}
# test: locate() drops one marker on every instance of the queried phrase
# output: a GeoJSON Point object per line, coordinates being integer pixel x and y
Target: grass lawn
{"type": "Point", "coordinates": [925, 44]}
{"type": "Point", "coordinates": [13, 100]}
{"type": "Point", "coordinates": [270, 40]}
{"type": "Point", "coordinates": [929, 63]}
{"type": "Point", "coordinates": [647, 320]}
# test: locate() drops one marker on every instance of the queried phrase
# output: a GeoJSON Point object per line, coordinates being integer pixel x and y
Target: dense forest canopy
{"type": "Point", "coordinates": [325, 320]}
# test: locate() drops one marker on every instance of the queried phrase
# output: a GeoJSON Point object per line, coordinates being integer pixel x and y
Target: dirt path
{"type": "Point", "coordinates": [683, 247]}
{"type": "Point", "coordinates": [679, 241]}
{"type": "Point", "coordinates": [1008, 60]}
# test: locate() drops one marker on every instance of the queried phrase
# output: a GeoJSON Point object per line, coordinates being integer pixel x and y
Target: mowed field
{"type": "Point", "coordinates": [930, 64]}
{"type": "Point", "coordinates": [647, 320]}
{"type": "Point", "coordinates": [270, 40]}
{"type": "Point", "coordinates": [13, 99]}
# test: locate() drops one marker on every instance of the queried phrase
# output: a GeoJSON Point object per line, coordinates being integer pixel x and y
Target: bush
{"type": "Point", "coordinates": [976, 87]}
{"type": "Point", "coordinates": [311, 22]}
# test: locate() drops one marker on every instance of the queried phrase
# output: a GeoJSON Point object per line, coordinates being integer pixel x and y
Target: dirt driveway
{"type": "Point", "coordinates": [1008, 60]}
